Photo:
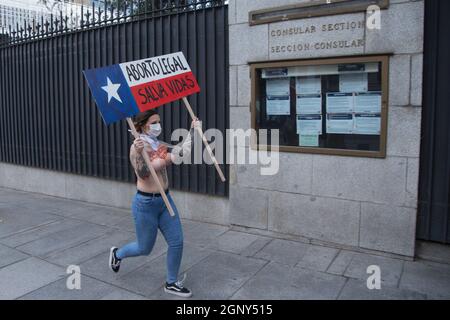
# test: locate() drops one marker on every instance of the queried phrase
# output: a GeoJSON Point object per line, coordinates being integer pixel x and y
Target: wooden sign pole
{"type": "Point", "coordinates": [152, 170]}
{"type": "Point", "coordinates": [205, 142]}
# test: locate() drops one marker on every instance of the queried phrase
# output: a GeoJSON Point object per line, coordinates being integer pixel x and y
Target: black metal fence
{"type": "Point", "coordinates": [48, 118]}
{"type": "Point", "coordinates": [108, 12]}
{"type": "Point", "coordinates": [433, 221]}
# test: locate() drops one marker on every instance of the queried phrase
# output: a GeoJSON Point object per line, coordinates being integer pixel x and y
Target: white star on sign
{"type": "Point", "coordinates": [111, 89]}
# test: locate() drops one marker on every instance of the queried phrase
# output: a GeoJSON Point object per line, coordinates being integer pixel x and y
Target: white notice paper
{"type": "Point", "coordinates": [367, 123]}
{"type": "Point", "coordinates": [353, 82]}
{"type": "Point", "coordinates": [308, 85]}
{"type": "Point", "coordinates": [277, 87]}
{"type": "Point", "coordinates": [340, 123]}
{"type": "Point", "coordinates": [308, 140]}
{"type": "Point", "coordinates": [309, 104]}
{"type": "Point", "coordinates": [368, 102]}
{"type": "Point", "coordinates": [339, 102]}
{"type": "Point", "coordinates": [309, 124]}
{"type": "Point", "coordinates": [278, 105]}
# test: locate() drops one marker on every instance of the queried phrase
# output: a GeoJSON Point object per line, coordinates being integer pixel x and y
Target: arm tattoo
{"type": "Point", "coordinates": [140, 166]}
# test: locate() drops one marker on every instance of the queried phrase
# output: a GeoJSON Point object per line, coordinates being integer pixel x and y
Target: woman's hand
{"type": "Point", "coordinates": [138, 145]}
{"type": "Point", "coordinates": [196, 123]}
{"type": "Point", "coordinates": [168, 158]}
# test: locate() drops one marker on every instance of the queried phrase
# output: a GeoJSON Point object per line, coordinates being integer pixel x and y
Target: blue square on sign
{"type": "Point", "coordinates": [111, 93]}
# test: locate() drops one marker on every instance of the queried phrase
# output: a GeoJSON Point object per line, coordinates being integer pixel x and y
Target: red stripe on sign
{"type": "Point", "coordinates": [156, 93]}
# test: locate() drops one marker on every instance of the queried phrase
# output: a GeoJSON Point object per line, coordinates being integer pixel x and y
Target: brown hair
{"type": "Point", "coordinates": [141, 119]}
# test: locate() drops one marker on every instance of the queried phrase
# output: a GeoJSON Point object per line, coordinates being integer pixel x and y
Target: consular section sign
{"type": "Point", "coordinates": [126, 89]}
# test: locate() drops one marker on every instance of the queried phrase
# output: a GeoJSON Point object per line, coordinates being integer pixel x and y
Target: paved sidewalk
{"type": "Point", "coordinates": [41, 236]}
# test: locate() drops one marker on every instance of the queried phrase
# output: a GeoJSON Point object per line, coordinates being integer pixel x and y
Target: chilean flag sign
{"type": "Point", "coordinates": [126, 89]}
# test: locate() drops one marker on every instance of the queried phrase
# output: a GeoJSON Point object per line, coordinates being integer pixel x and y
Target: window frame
{"type": "Point", "coordinates": [384, 59]}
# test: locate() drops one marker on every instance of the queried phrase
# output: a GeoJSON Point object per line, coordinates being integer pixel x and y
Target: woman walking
{"type": "Point", "coordinates": [149, 210]}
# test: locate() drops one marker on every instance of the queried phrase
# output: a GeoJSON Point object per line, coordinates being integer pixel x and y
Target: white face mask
{"type": "Point", "coordinates": [155, 129]}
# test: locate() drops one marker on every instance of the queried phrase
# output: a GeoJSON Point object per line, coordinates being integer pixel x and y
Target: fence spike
{"type": "Point", "coordinates": [42, 25]}
{"type": "Point", "coordinates": [61, 20]}
{"type": "Point", "coordinates": [20, 30]}
{"type": "Point", "coordinates": [34, 28]}
{"type": "Point", "coordinates": [27, 27]}
{"type": "Point", "coordinates": [72, 24]}
{"type": "Point", "coordinates": [66, 18]}
{"type": "Point", "coordinates": [51, 23]}
{"type": "Point", "coordinates": [82, 14]}
{"type": "Point", "coordinates": [106, 12]}
{"type": "Point", "coordinates": [112, 12]}
{"type": "Point", "coordinates": [93, 12]}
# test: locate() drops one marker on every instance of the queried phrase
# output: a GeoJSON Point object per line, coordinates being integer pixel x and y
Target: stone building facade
{"type": "Point", "coordinates": [374, 209]}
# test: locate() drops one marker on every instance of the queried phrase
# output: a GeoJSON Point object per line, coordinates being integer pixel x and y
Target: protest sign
{"type": "Point", "coordinates": [127, 89]}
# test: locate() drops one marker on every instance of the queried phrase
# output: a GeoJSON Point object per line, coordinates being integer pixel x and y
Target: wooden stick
{"type": "Point", "coordinates": [152, 170]}
{"type": "Point", "coordinates": [205, 142]}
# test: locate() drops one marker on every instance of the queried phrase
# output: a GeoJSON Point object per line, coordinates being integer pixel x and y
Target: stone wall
{"type": "Point", "coordinates": [374, 209]}
{"type": "Point", "coordinates": [107, 192]}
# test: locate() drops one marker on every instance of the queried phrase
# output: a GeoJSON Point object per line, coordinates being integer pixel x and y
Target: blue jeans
{"type": "Point", "coordinates": [151, 213]}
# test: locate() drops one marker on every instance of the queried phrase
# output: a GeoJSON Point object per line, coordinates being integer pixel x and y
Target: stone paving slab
{"type": "Point", "coordinates": [256, 246]}
{"type": "Point", "coordinates": [95, 209]}
{"type": "Point", "coordinates": [430, 279]}
{"type": "Point", "coordinates": [233, 241]}
{"type": "Point", "coordinates": [391, 269]}
{"type": "Point", "coordinates": [90, 289]}
{"type": "Point", "coordinates": [433, 251]}
{"type": "Point", "coordinates": [357, 290]}
{"type": "Point", "coordinates": [202, 234]}
{"type": "Point", "coordinates": [142, 275]}
{"type": "Point", "coordinates": [87, 250]}
{"type": "Point", "coordinates": [283, 282]}
{"type": "Point", "coordinates": [220, 275]}
{"type": "Point", "coordinates": [99, 215]}
{"type": "Point", "coordinates": [283, 251]}
{"type": "Point", "coordinates": [41, 235]}
{"type": "Point", "coordinates": [120, 294]}
{"type": "Point", "coordinates": [9, 256]}
{"type": "Point", "coordinates": [98, 267]}
{"type": "Point", "coordinates": [125, 223]}
{"type": "Point", "coordinates": [317, 258]}
{"type": "Point", "coordinates": [42, 203]}
{"type": "Point", "coordinates": [22, 219]}
{"type": "Point", "coordinates": [21, 238]}
{"type": "Point", "coordinates": [18, 198]}
{"type": "Point", "coordinates": [280, 289]}
{"type": "Point", "coordinates": [341, 262]}
{"type": "Point", "coordinates": [26, 276]}
{"type": "Point", "coordinates": [149, 279]}
{"type": "Point", "coordinates": [63, 239]}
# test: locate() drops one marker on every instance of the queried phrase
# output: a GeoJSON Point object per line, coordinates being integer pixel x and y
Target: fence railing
{"type": "Point", "coordinates": [85, 17]}
{"type": "Point", "coordinates": [48, 118]}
